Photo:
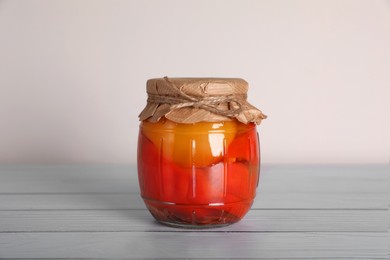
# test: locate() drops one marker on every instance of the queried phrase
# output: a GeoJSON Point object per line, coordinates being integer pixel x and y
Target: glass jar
{"type": "Point", "coordinates": [199, 174]}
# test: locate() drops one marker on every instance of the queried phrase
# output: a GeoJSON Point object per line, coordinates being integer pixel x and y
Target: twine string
{"type": "Point", "coordinates": [208, 103]}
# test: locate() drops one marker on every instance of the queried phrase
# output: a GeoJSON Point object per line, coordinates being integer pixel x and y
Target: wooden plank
{"type": "Point", "coordinates": [313, 178]}
{"type": "Point", "coordinates": [264, 200]}
{"type": "Point", "coordinates": [71, 201]}
{"type": "Point", "coordinates": [108, 179]}
{"type": "Point", "coordinates": [192, 245]}
{"type": "Point", "coordinates": [98, 171]}
{"type": "Point", "coordinates": [141, 220]}
{"type": "Point", "coordinates": [68, 179]}
{"type": "Point", "coordinates": [321, 200]}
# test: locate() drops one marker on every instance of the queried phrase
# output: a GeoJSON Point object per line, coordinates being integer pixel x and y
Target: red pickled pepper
{"type": "Point", "coordinates": [224, 189]}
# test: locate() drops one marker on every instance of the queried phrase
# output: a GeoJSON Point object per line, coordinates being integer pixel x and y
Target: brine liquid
{"type": "Point", "coordinates": [198, 178]}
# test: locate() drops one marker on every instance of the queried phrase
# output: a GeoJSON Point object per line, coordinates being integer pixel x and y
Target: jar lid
{"type": "Point", "coordinates": [192, 100]}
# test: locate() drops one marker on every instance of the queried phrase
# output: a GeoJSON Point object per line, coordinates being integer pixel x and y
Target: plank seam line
{"type": "Point", "coordinates": [219, 258]}
{"type": "Point", "coordinates": [256, 209]}
{"type": "Point", "coordinates": [197, 231]}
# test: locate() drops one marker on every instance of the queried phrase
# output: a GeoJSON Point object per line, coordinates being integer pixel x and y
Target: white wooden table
{"type": "Point", "coordinates": [301, 212]}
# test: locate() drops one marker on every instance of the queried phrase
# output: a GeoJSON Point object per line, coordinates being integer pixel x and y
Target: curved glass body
{"type": "Point", "coordinates": [198, 175]}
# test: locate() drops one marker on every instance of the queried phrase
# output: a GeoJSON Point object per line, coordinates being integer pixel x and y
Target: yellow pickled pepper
{"type": "Point", "coordinates": [188, 145]}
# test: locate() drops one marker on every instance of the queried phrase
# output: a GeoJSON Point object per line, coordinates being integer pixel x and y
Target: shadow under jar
{"type": "Point", "coordinates": [197, 173]}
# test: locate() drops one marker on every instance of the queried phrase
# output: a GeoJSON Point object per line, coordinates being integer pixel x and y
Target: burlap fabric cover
{"type": "Point", "coordinates": [192, 100]}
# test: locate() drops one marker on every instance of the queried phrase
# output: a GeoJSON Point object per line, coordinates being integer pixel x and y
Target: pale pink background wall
{"type": "Point", "coordinates": [72, 74]}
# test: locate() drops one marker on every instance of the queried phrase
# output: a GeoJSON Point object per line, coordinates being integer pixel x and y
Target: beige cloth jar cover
{"type": "Point", "coordinates": [192, 100]}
